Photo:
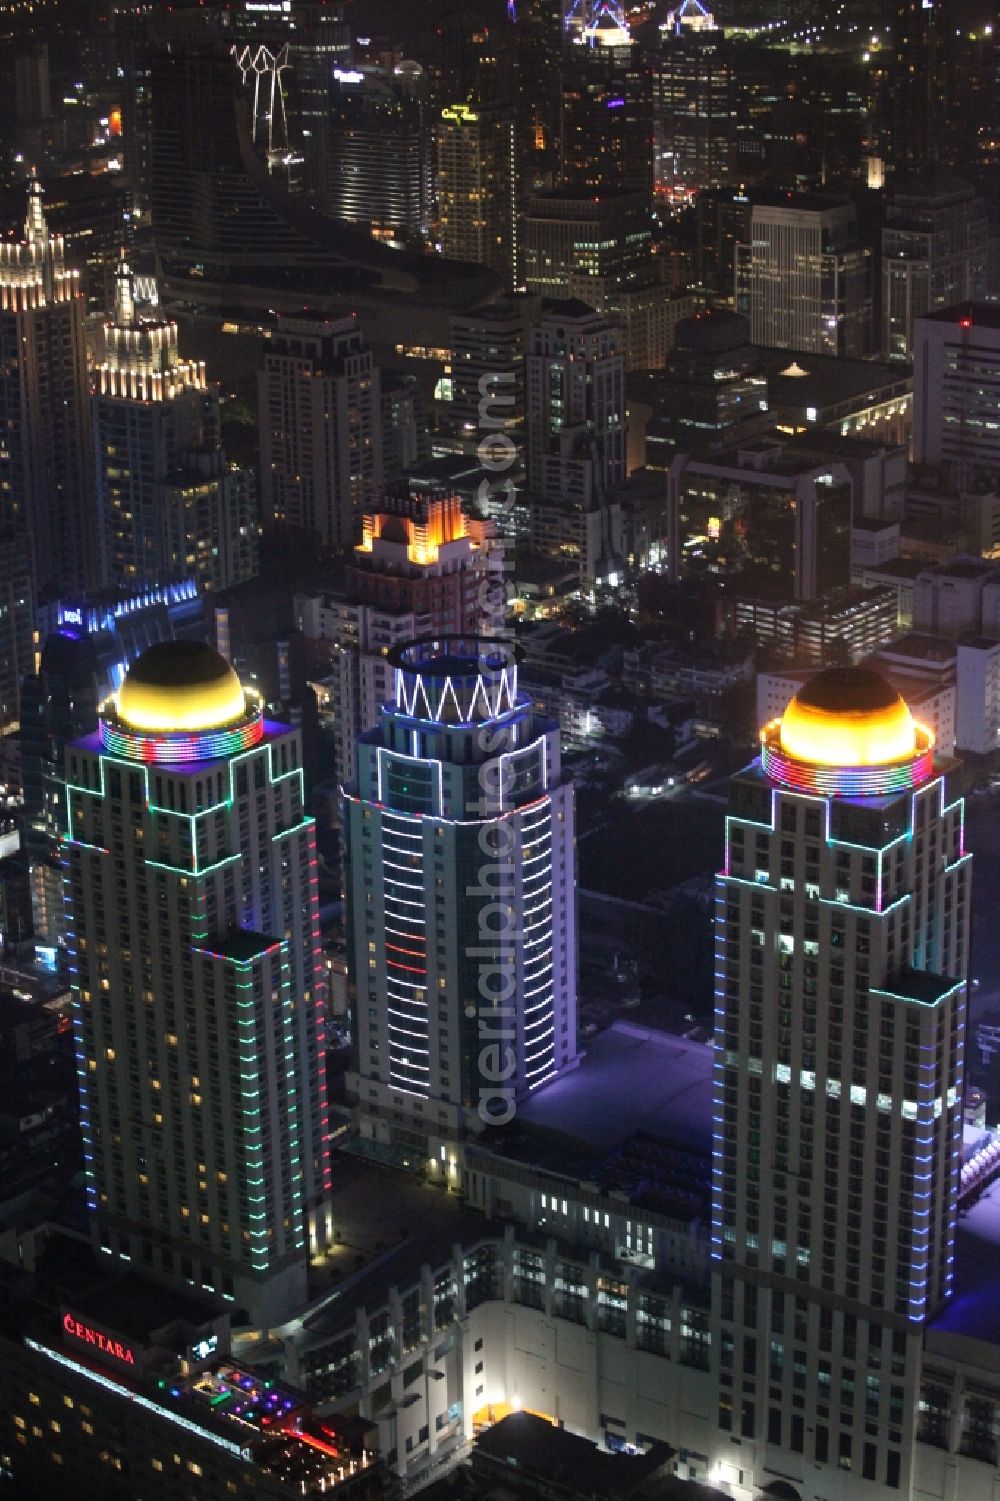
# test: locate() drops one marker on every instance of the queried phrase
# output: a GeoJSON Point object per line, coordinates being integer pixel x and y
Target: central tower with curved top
{"type": "Point", "coordinates": [460, 897]}
{"type": "Point", "coordinates": [842, 946]}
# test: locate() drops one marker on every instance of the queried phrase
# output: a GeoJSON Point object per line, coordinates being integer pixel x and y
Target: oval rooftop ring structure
{"type": "Point", "coordinates": [848, 716]}
{"type": "Point", "coordinates": [181, 686]}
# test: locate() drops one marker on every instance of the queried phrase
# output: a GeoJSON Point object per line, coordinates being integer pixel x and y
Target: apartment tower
{"type": "Point", "coordinates": [46, 483]}
{"type": "Point", "coordinates": [460, 901]}
{"type": "Point", "coordinates": [171, 506]}
{"type": "Point", "coordinates": [422, 568]}
{"type": "Point", "coordinates": [842, 944]}
{"type": "Point", "coordinates": [320, 427]}
{"type": "Point", "coordinates": [193, 936]}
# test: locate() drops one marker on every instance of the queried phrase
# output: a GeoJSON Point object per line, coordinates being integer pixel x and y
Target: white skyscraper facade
{"type": "Point", "coordinates": [460, 897]}
{"type": "Point", "coordinates": [842, 941]}
{"type": "Point", "coordinates": [193, 936]}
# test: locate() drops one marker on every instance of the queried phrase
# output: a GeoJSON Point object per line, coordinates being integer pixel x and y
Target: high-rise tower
{"type": "Point", "coordinates": [477, 180]}
{"type": "Point", "coordinates": [46, 483]}
{"type": "Point", "coordinates": [842, 941]}
{"type": "Point", "coordinates": [460, 899]}
{"type": "Point", "coordinates": [320, 427]}
{"type": "Point", "coordinates": [956, 375]}
{"type": "Point", "coordinates": [802, 278]}
{"type": "Point", "coordinates": [193, 918]}
{"type": "Point", "coordinates": [421, 568]}
{"type": "Point", "coordinates": [934, 252]}
{"type": "Point", "coordinates": [575, 376]}
{"type": "Point", "coordinates": [171, 506]}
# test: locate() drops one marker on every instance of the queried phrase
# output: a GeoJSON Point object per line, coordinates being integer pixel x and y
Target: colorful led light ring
{"type": "Point", "coordinates": [169, 747]}
{"type": "Point", "coordinates": [848, 781]}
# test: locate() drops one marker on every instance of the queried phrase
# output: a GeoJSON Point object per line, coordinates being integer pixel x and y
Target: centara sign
{"type": "Point", "coordinates": [106, 1344]}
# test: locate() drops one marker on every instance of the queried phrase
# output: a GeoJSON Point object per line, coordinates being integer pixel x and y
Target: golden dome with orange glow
{"type": "Point", "coordinates": [848, 716]}
{"type": "Point", "coordinates": [180, 686]}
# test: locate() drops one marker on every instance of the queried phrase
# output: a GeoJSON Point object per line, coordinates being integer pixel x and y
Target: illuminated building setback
{"type": "Point", "coordinates": [460, 875]}
{"type": "Point", "coordinates": [46, 486]}
{"type": "Point", "coordinates": [193, 934]}
{"type": "Point", "coordinates": [842, 940]}
{"type": "Point", "coordinates": [422, 568]}
{"type": "Point", "coordinates": [171, 507]}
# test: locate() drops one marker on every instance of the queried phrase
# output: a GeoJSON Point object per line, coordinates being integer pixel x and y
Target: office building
{"type": "Point", "coordinates": [319, 49]}
{"type": "Point", "coordinates": [423, 568]}
{"type": "Point", "coordinates": [377, 167]}
{"type": "Point", "coordinates": [956, 388]}
{"type": "Point", "coordinates": [193, 934]}
{"type": "Point", "coordinates": [92, 214]}
{"type": "Point", "coordinates": [171, 506]}
{"type": "Point", "coordinates": [842, 933]}
{"type": "Point", "coordinates": [977, 695]}
{"type": "Point", "coordinates": [847, 624]}
{"type": "Point", "coordinates": [957, 598]}
{"type": "Point", "coordinates": [606, 137]}
{"type": "Point", "coordinates": [712, 392]}
{"type": "Point", "coordinates": [918, 81]}
{"type": "Point", "coordinates": [575, 374]}
{"type": "Point", "coordinates": [476, 188]}
{"type": "Point", "coordinates": [488, 346]}
{"type": "Point", "coordinates": [17, 620]}
{"type": "Point", "coordinates": [46, 478]}
{"type": "Point", "coordinates": [320, 427]}
{"type": "Point", "coordinates": [32, 94]}
{"type": "Point", "coordinates": [405, 440]}
{"type": "Point", "coordinates": [583, 245]}
{"type": "Point", "coordinates": [776, 524]}
{"type": "Point", "coordinates": [574, 520]}
{"type": "Point", "coordinates": [934, 246]}
{"type": "Point", "coordinates": [649, 313]}
{"type": "Point", "coordinates": [694, 109]}
{"type": "Point", "coordinates": [803, 279]}
{"type": "Point", "coordinates": [722, 219]}
{"type": "Point", "coordinates": [459, 812]}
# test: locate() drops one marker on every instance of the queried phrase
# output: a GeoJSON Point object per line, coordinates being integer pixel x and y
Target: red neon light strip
{"type": "Point", "coordinates": [316, 1443]}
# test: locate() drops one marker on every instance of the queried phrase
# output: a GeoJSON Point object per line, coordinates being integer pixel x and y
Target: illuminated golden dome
{"type": "Point", "coordinates": [180, 686]}
{"type": "Point", "coordinates": [848, 716]}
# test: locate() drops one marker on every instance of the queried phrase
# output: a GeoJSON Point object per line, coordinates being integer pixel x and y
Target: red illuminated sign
{"type": "Point", "coordinates": [103, 1344]}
